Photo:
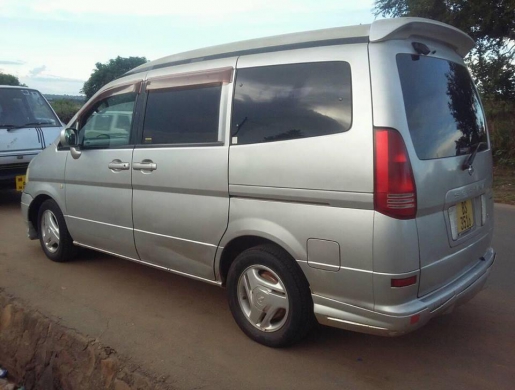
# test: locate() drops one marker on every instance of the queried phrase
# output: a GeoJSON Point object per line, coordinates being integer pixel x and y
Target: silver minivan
{"type": "Point", "coordinates": [28, 124]}
{"type": "Point", "coordinates": [341, 175]}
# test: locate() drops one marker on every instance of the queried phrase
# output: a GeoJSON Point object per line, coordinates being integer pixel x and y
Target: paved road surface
{"type": "Point", "coordinates": [182, 328]}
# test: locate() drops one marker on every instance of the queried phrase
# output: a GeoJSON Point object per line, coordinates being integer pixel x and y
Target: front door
{"type": "Point", "coordinates": [98, 183]}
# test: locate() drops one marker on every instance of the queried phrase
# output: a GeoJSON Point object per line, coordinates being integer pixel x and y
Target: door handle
{"type": "Point", "coordinates": [145, 165]}
{"type": "Point", "coordinates": [117, 165]}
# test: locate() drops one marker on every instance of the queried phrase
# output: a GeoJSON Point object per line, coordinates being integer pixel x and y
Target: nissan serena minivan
{"type": "Point", "coordinates": [342, 175]}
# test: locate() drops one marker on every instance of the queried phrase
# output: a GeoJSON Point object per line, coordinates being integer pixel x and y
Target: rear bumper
{"type": "Point", "coordinates": [410, 315]}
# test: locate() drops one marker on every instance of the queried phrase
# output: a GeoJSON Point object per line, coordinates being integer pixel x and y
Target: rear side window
{"type": "Point", "coordinates": [444, 113]}
{"type": "Point", "coordinates": [283, 102]}
{"type": "Point", "coordinates": [177, 116]}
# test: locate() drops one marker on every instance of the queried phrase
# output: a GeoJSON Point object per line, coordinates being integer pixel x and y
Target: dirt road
{"type": "Point", "coordinates": [183, 329]}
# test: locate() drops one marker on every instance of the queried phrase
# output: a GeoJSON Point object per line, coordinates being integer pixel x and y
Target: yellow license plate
{"type": "Point", "coordinates": [464, 216]}
{"type": "Point", "coordinates": [20, 182]}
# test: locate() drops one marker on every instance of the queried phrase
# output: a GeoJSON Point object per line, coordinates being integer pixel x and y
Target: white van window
{"type": "Point", "coordinates": [177, 116]}
{"type": "Point", "coordinates": [19, 107]}
{"type": "Point", "coordinates": [108, 123]}
{"type": "Point", "coordinates": [444, 113]}
{"type": "Point", "coordinates": [283, 102]}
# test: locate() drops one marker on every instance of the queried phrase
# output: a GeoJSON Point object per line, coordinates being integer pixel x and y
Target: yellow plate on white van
{"type": "Point", "coordinates": [20, 183]}
{"type": "Point", "coordinates": [464, 216]}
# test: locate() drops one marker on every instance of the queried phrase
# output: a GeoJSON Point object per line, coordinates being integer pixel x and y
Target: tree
{"type": "Point", "coordinates": [9, 79]}
{"type": "Point", "coordinates": [105, 73]}
{"type": "Point", "coordinates": [490, 23]}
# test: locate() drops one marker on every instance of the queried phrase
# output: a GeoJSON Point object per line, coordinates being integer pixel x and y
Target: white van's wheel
{"type": "Point", "coordinates": [54, 238]}
{"type": "Point", "coordinates": [269, 296]}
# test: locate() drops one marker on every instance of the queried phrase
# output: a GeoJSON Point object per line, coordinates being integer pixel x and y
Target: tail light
{"type": "Point", "coordinates": [395, 194]}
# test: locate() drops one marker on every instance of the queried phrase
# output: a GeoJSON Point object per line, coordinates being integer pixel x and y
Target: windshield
{"type": "Point", "coordinates": [25, 108]}
{"type": "Point", "coordinates": [444, 113]}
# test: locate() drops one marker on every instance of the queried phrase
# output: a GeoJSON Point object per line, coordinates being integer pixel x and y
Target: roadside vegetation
{"type": "Point", "coordinates": [501, 123]}
{"type": "Point", "coordinates": [9, 79]}
{"type": "Point", "coordinates": [65, 108]}
{"type": "Point", "coordinates": [504, 185]}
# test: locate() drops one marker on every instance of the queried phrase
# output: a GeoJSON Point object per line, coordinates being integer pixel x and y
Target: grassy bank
{"type": "Point", "coordinates": [504, 185]}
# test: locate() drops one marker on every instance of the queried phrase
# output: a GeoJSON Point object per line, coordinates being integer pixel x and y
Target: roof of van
{"type": "Point", "coordinates": [14, 87]}
{"type": "Point", "coordinates": [378, 31]}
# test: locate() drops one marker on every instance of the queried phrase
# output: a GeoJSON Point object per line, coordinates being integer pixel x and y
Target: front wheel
{"type": "Point", "coordinates": [54, 237]}
{"type": "Point", "coordinates": [269, 296]}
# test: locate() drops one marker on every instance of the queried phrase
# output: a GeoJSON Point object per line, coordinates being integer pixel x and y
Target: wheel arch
{"type": "Point", "coordinates": [34, 207]}
{"type": "Point", "coordinates": [42, 191]}
{"type": "Point", "coordinates": [241, 243]}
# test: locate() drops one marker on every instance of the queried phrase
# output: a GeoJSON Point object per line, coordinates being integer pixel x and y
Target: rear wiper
{"type": "Point", "coordinates": [470, 159]}
{"type": "Point", "coordinates": [239, 126]}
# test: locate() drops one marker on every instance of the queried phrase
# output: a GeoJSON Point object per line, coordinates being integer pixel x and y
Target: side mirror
{"type": "Point", "coordinates": [69, 138]}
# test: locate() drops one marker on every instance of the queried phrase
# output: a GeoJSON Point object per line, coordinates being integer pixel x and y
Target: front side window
{"type": "Point", "coordinates": [179, 116]}
{"type": "Point", "coordinates": [108, 124]}
{"type": "Point", "coordinates": [284, 102]}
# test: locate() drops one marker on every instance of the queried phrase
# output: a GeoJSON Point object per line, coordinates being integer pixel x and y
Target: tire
{"type": "Point", "coordinates": [269, 296]}
{"type": "Point", "coordinates": [53, 233]}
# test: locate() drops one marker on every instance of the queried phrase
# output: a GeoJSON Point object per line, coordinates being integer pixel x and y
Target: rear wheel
{"type": "Point", "coordinates": [54, 237]}
{"type": "Point", "coordinates": [269, 296]}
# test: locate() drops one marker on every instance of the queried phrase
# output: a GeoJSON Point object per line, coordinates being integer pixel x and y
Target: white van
{"type": "Point", "coordinates": [28, 124]}
{"type": "Point", "coordinates": [342, 174]}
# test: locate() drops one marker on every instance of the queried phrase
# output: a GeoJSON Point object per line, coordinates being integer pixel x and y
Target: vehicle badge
{"type": "Point", "coordinates": [470, 170]}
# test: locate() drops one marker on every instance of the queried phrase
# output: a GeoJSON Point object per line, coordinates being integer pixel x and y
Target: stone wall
{"type": "Point", "coordinates": [42, 354]}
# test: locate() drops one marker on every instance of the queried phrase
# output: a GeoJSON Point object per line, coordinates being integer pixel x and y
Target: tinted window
{"type": "Point", "coordinates": [443, 110]}
{"type": "Point", "coordinates": [275, 103]}
{"type": "Point", "coordinates": [178, 116]}
{"type": "Point", "coordinates": [101, 126]}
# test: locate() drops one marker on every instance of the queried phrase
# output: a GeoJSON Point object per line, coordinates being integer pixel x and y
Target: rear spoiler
{"type": "Point", "coordinates": [404, 28]}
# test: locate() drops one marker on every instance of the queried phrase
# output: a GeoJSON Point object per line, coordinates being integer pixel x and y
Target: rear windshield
{"type": "Point", "coordinates": [444, 113]}
{"type": "Point", "coordinates": [19, 107]}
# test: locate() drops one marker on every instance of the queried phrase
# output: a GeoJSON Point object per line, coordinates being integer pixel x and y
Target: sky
{"type": "Point", "coordinates": [53, 45]}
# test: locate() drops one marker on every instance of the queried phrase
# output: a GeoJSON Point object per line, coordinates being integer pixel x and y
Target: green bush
{"type": "Point", "coordinates": [9, 79]}
{"type": "Point", "coordinates": [501, 123]}
{"type": "Point", "coordinates": [65, 108]}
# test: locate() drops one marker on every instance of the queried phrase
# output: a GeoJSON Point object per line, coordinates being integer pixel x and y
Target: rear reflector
{"type": "Point", "coordinates": [414, 319]}
{"type": "Point", "coordinates": [404, 282]}
{"type": "Point", "coordinates": [483, 209]}
{"type": "Point", "coordinates": [453, 222]}
{"type": "Point", "coordinates": [394, 192]}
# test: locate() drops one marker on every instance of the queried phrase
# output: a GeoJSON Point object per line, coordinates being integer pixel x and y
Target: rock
{"type": "Point", "coordinates": [121, 385]}
{"type": "Point", "coordinates": [26, 350]}
{"type": "Point", "coordinates": [140, 382]}
{"type": "Point", "coordinates": [109, 368]}
{"type": "Point", "coordinates": [91, 360]}
{"type": "Point", "coordinates": [5, 318]}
